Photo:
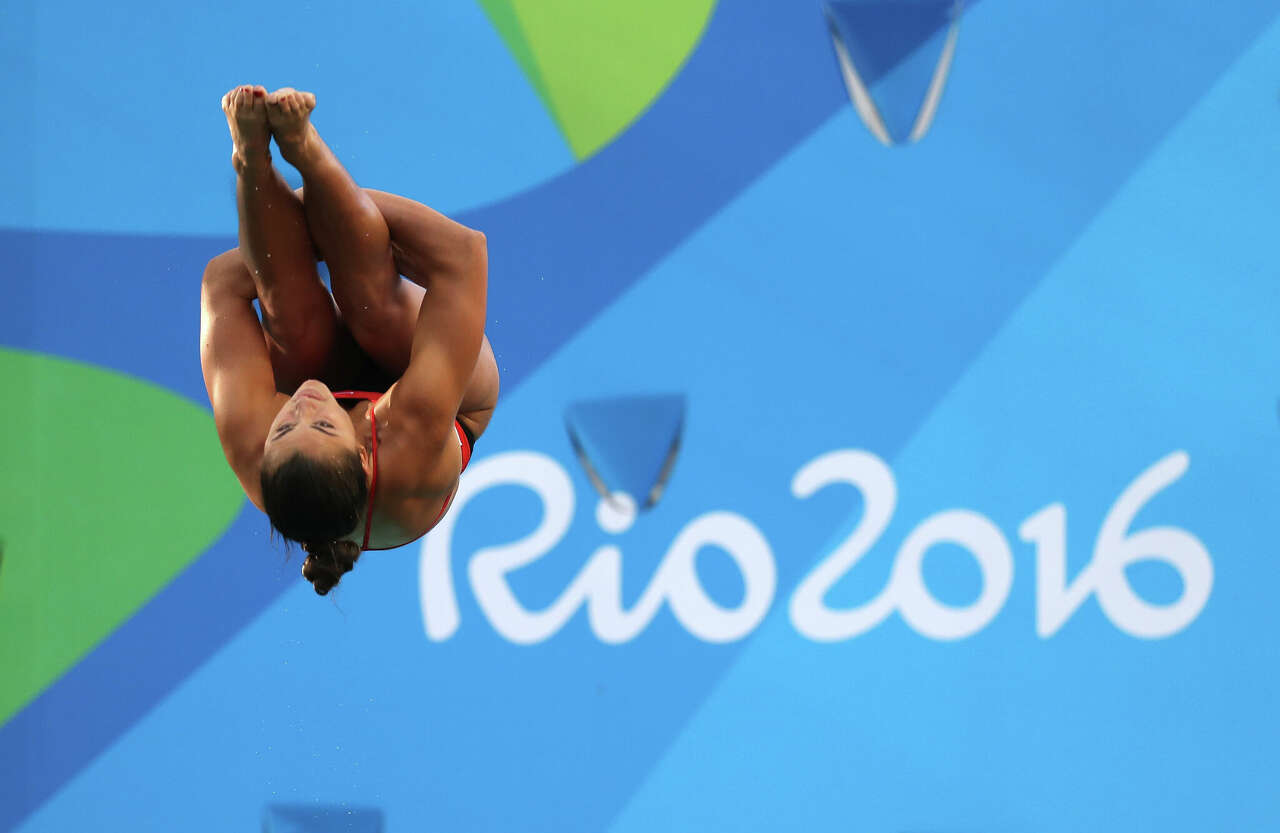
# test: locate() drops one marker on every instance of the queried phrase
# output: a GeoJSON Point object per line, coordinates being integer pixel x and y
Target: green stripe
{"type": "Point", "coordinates": [109, 486]}
{"type": "Point", "coordinates": [599, 65]}
{"type": "Point", "coordinates": [503, 17]}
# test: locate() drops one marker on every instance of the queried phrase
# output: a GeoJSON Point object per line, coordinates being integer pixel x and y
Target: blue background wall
{"type": "Point", "coordinates": [1064, 294]}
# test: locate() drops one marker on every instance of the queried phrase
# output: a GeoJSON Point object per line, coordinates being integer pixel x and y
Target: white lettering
{"type": "Point", "coordinates": [678, 576]}
{"type": "Point", "coordinates": [534, 471]}
{"type": "Point", "coordinates": [869, 475]}
{"type": "Point", "coordinates": [979, 536]}
{"type": "Point", "coordinates": [598, 585]}
{"type": "Point", "coordinates": [1115, 549]}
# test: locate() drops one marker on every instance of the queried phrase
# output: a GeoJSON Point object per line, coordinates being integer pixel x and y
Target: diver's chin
{"type": "Point", "coordinates": [312, 389]}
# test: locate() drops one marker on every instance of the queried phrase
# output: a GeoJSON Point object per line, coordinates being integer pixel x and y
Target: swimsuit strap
{"type": "Point", "coordinates": [372, 398]}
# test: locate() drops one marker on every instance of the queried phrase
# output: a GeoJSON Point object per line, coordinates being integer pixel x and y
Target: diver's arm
{"type": "Point", "coordinates": [446, 341]}
{"type": "Point", "coordinates": [237, 367]}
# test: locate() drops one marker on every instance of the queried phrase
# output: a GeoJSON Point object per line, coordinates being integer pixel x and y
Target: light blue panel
{"type": "Point", "coordinates": [1156, 332]}
{"type": "Point", "coordinates": [832, 305]}
{"type": "Point", "coordinates": [18, 69]}
{"type": "Point", "coordinates": [122, 132]}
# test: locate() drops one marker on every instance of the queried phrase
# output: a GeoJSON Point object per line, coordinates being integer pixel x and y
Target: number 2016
{"type": "Point", "coordinates": [675, 581]}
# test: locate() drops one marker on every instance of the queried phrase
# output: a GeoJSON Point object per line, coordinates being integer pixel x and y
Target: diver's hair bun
{"type": "Point", "coordinates": [327, 562]}
{"type": "Point", "coordinates": [318, 502]}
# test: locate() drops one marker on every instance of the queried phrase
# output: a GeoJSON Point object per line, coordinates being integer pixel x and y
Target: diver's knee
{"type": "Point", "coordinates": [228, 264]}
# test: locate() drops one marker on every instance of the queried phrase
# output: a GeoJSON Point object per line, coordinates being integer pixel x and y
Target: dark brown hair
{"type": "Point", "coordinates": [316, 503]}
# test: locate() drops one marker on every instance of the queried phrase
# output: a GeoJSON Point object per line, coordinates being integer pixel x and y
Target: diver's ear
{"type": "Point", "coordinates": [364, 459]}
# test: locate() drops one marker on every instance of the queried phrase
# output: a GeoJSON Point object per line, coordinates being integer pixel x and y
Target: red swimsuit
{"type": "Point", "coordinates": [464, 441]}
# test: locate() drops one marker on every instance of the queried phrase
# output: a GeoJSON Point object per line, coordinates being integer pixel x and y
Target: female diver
{"type": "Point", "coordinates": [409, 358]}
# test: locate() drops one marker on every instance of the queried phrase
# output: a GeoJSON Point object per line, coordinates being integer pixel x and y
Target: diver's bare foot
{"type": "Point", "coordinates": [289, 112]}
{"type": "Point", "coordinates": [246, 109]}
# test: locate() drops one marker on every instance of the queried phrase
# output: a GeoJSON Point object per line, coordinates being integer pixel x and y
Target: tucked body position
{"type": "Point", "coordinates": [347, 415]}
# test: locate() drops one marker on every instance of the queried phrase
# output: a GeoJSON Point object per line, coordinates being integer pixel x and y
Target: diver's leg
{"type": "Point", "coordinates": [423, 241]}
{"type": "Point", "coordinates": [229, 268]}
{"type": "Point", "coordinates": [420, 237]}
{"type": "Point", "coordinates": [298, 313]}
{"type": "Point", "coordinates": [350, 234]}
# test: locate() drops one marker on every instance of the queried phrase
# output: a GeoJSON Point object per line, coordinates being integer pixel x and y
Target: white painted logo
{"type": "Point", "coordinates": [676, 584]}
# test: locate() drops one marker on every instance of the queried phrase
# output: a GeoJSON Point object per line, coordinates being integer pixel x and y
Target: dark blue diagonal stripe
{"type": "Point", "coordinates": [137, 665]}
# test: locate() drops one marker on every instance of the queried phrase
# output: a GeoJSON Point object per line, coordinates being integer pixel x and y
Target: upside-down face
{"type": "Point", "coordinates": [312, 423]}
